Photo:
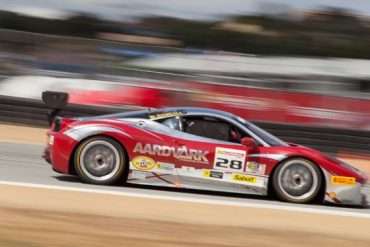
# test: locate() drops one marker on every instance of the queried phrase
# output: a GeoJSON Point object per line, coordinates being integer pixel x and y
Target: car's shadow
{"type": "Point", "coordinates": [68, 178]}
{"type": "Point", "coordinates": [75, 179]}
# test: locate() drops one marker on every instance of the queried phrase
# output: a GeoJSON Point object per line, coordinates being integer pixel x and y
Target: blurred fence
{"type": "Point", "coordinates": [33, 112]}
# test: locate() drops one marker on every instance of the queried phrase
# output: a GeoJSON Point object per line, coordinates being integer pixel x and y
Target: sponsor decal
{"type": "Point", "coordinates": [244, 178]}
{"type": "Point", "coordinates": [229, 159]}
{"type": "Point", "coordinates": [166, 114]}
{"type": "Point", "coordinates": [213, 174]}
{"type": "Point", "coordinates": [188, 169]}
{"type": "Point", "coordinates": [138, 175]}
{"type": "Point", "coordinates": [143, 163]}
{"type": "Point", "coordinates": [332, 195]}
{"type": "Point", "coordinates": [254, 167]}
{"type": "Point", "coordinates": [339, 180]}
{"type": "Point", "coordinates": [181, 153]}
{"type": "Point", "coordinates": [165, 166]}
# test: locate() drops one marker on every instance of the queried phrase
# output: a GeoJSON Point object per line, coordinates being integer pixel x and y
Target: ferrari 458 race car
{"type": "Point", "coordinates": [198, 148]}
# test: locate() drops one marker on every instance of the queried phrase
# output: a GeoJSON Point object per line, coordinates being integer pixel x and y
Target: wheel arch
{"type": "Point", "coordinates": [270, 190]}
{"type": "Point", "coordinates": [71, 167]}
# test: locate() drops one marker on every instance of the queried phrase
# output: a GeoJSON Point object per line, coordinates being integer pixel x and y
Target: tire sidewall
{"type": "Point", "coordinates": [112, 180]}
{"type": "Point", "coordinates": [281, 195]}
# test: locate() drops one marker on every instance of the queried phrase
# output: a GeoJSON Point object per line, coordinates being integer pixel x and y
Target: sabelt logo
{"type": "Point", "coordinates": [181, 153]}
{"type": "Point", "coordinates": [244, 178]}
{"type": "Point", "coordinates": [339, 180]}
{"type": "Point", "coordinates": [143, 163]}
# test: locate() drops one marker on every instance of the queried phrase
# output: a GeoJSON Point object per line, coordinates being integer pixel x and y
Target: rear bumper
{"type": "Point", "coordinates": [58, 151]}
{"type": "Point", "coordinates": [46, 155]}
{"type": "Point", "coordinates": [48, 148]}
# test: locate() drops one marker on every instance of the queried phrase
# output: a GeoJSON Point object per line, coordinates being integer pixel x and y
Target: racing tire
{"type": "Point", "coordinates": [100, 160]}
{"type": "Point", "coordinates": [297, 180]}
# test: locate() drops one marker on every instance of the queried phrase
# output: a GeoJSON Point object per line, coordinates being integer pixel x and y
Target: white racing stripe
{"type": "Point", "coordinates": [247, 204]}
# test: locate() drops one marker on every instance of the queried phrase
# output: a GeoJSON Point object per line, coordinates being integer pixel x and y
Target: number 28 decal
{"type": "Point", "coordinates": [228, 164]}
{"type": "Point", "coordinates": [229, 159]}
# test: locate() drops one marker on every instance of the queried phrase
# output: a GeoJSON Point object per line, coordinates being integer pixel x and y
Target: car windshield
{"type": "Point", "coordinates": [264, 135]}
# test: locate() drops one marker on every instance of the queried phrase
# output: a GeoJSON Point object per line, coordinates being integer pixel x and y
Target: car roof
{"type": "Point", "coordinates": [166, 112]}
{"type": "Point", "coordinates": [193, 110]}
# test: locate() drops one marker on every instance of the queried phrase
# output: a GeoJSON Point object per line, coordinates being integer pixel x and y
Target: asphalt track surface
{"type": "Point", "coordinates": [22, 165]}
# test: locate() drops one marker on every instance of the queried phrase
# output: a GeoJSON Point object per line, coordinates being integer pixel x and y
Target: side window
{"type": "Point", "coordinates": [173, 123]}
{"type": "Point", "coordinates": [211, 128]}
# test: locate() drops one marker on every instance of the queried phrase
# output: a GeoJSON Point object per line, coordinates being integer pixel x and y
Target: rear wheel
{"type": "Point", "coordinates": [297, 180]}
{"type": "Point", "coordinates": [100, 160]}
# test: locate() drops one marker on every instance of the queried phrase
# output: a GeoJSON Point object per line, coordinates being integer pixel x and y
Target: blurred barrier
{"type": "Point", "coordinates": [34, 112]}
{"type": "Point", "coordinates": [325, 139]}
{"type": "Point", "coordinates": [262, 104]}
{"type": "Point", "coordinates": [332, 140]}
{"type": "Point", "coordinates": [360, 161]}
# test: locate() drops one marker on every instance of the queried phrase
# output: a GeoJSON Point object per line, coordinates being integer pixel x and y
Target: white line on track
{"type": "Point", "coordinates": [246, 204]}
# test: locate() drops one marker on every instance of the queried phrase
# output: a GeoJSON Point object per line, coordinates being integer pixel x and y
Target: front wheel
{"type": "Point", "coordinates": [100, 160]}
{"type": "Point", "coordinates": [297, 180]}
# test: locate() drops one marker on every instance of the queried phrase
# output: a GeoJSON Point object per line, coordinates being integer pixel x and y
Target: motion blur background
{"type": "Point", "coordinates": [298, 68]}
{"type": "Point", "coordinates": [296, 62]}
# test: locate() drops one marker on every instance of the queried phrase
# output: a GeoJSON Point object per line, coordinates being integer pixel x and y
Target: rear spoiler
{"type": "Point", "coordinates": [56, 101]}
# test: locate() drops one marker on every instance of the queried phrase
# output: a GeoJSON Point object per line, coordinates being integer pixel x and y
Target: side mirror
{"type": "Point", "coordinates": [249, 142]}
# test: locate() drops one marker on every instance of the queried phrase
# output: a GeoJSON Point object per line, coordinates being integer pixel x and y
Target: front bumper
{"type": "Point", "coordinates": [354, 194]}
{"type": "Point", "coordinates": [346, 195]}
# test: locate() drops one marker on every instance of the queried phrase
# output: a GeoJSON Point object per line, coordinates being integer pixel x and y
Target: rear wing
{"type": "Point", "coordinates": [56, 101]}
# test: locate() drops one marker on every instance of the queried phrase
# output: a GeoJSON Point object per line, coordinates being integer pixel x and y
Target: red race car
{"type": "Point", "coordinates": [197, 148]}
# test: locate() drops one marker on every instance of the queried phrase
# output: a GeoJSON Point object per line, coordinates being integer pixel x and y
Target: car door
{"type": "Point", "coordinates": [213, 157]}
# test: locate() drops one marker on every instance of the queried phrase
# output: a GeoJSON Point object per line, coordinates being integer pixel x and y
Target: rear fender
{"type": "Point", "coordinates": [81, 132]}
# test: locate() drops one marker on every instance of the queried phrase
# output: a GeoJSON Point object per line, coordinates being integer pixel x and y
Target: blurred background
{"type": "Point", "coordinates": [281, 61]}
{"type": "Point", "coordinates": [298, 68]}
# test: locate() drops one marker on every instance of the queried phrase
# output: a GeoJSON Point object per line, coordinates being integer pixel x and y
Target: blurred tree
{"type": "Point", "coordinates": [327, 32]}
{"type": "Point", "coordinates": [82, 25]}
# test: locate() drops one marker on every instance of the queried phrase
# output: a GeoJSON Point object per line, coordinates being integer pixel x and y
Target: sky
{"type": "Point", "coordinates": [189, 9]}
